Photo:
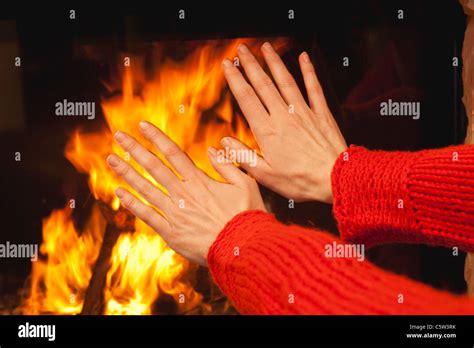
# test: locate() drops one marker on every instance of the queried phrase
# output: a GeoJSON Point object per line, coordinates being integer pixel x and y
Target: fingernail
{"type": "Point", "coordinates": [267, 46]}
{"type": "Point", "coordinates": [243, 48]}
{"type": "Point", "coordinates": [119, 136]}
{"type": "Point", "coordinates": [113, 160]}
{"type": "Point", "coordinates": [119, 192]}
{"type": "Point", "coordinates": [144, 125]}
{"type": "Point", "coordinates": [212, 151]}
{"type": "Point", "coordinates": [305, 57]}
{"type": "Point", "coordinates": [226, 63]}
{"type": "Point", "coordinates": [225, 142]}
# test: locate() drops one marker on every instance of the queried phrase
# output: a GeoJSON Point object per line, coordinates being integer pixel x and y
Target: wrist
{"type": "Point", "coordinates": [326, 193]}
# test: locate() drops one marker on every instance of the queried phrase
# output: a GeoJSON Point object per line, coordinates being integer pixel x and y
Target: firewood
{"type": "Point", "coordinates": [117, 222]}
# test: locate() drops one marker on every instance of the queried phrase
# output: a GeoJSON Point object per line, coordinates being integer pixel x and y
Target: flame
{"type": "Point", "coordinates": [66, 273]}
{"type": "Point", "coordinates": [187, 99]}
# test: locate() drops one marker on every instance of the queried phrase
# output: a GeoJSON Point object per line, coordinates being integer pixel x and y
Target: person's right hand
{"type": "Point", "coordinates": [300, 143]}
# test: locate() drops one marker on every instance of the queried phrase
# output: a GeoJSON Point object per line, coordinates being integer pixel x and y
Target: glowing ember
{"type": "Point", "coordinates": [188, 101]}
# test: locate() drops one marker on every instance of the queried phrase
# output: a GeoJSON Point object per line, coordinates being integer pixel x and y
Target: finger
{"type": "Point", "coordinates": [251, 106]}
{"type": "Point", "coordinates": [240, 153]}
{"type": "Point", "coordinates": [313, 87]}
{"type": "Point", "coordinates": [148, 161]}
{"type": "Point", "coordinates": [314, 90]}
{"type": "Point", "coordinates": [172, 152]}
{"type": "Point", "coordinates": [143, 212]}
{"type": "Point", "coordinates": [144, 187]}
{"type": "Point", "coordinates": [285, 82]}
{"type": "Point", "coordinates": [226, 168]}
{"type": "Point", "coordinates": [260, 81]}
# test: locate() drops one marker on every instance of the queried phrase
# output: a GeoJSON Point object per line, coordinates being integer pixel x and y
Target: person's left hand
{"type": "Point", "coordinates": [197, 207]}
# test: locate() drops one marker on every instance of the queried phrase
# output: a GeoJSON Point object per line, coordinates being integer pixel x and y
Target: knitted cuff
{"type": "Point", "coordinates": [371, 201]}
{"type": "Point", "coordinates": [409, 197]}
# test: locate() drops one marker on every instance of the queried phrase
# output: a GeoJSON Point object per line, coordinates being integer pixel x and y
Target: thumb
{"type": "Point", "coordinates": [240, 153]}
{"type": "Point", "coordinates": [226, 168]}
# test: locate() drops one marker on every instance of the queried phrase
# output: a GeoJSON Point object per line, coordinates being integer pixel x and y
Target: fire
{"type": "Point", "coordinates": [187, 99]}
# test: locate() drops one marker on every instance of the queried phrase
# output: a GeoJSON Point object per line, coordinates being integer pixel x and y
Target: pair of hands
{"type": "Point", "coordinates": [300, 144]}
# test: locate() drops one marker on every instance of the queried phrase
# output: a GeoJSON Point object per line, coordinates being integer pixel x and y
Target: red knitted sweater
{"type": "Point", "coordinates": [265, 267]}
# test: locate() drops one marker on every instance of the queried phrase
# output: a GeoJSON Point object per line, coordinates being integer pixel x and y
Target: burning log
{"type": "Point", "coordinates": [117, 222]}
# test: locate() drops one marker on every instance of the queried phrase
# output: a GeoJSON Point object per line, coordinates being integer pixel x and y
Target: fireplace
{"type": "Point", "coordinates": [106, 261]}
{"type": "Point", "coordinates": [67, 95]}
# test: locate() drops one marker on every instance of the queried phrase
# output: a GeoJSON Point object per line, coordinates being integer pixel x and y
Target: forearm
{"type": "Point", "coordinates": [265, 267]}
{"type": "Point", "coordinates": [410, 197]}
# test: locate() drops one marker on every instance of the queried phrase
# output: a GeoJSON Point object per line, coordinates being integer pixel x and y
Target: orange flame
{"type": "Point", "coordinates": [188, 101]}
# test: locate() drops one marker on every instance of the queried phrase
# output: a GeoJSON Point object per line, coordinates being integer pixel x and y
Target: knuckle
{"type": "Point", "coordinates": [251, 62]}
{"type": "Point", "coordinates": [226, 163]}
{"type": "Point", "coordinates": [172, 240]}
{"type": "Point", "coordinates": [150, 162]}
{"type": "Point", "coordinates": [177, 189]}
{"type": "Point", "coordinates": [308, 68]}
{"type": "Point", "coordinates": [149, 216]}
{"type": "Point", "coordinates": [151, 133]}
{"type": "Point", "coordinates": [268, 132]}
{"type": "Point", "coordinates": [263, 83]}
{"type": "Point", "coordinates": [170, 150]}
{"type": "Point", "coordinates": [129, 203]}
{"type": "Point", "coordinates": [145, 190]}
{"type": "Point", "coordinates": [166, 205]}
{"type": "Point", "coordinates": [234, 73]}
{"type": "Point", "coordinates": [132, 145]}
{"type": "Point", "coordinates": [287, 82]}
{"type": "Point", "coordinates": [246, 92]}
{"type": "Point", "coordinates": [124, 169]}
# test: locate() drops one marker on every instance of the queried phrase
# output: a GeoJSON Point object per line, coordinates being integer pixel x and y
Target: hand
{"type": "Point", "coordinates": [300, 143]}
{"type": "Point", "coordinates": [197, 207]}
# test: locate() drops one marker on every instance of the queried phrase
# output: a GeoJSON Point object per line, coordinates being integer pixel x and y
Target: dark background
{"type": "Point", "coordinates": [409, 59]}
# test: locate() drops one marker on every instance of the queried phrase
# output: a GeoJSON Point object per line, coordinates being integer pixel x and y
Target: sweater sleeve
{"type": "Point", "coordinates": [265, 267]}
{"type": "Point", "coordinates": [424, 197]}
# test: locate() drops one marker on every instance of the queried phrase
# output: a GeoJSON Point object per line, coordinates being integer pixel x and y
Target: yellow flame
{"type": "Point", "coordinates": [66, 272]}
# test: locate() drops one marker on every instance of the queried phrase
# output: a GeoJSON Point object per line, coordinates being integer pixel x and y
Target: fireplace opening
{"type": "Point", "coordinates": [72, 89]}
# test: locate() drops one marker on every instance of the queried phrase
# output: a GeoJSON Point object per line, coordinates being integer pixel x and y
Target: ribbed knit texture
{"type": "Point", "coordinates": [411, 197]}
{"type": "Point", "coordinates": [265, 267]}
